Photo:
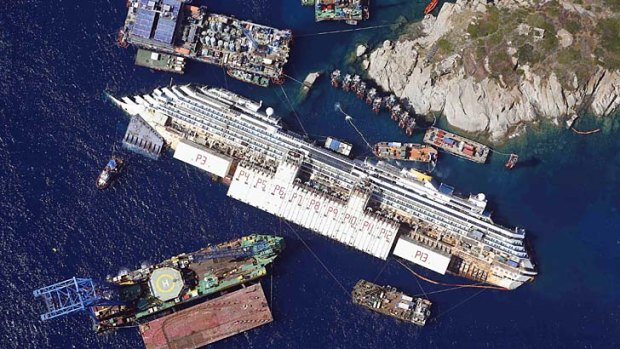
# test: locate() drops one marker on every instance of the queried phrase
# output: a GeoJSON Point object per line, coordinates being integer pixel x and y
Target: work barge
{"type": "Point", "coordinates": [250, 52]}
{"type": "Point", "coordinates": [350, 11]}
{"type": "Point", "coordinates": [193, 298]}
{"type": "Point", "coordinates": [389, 301]}
{"type": "Point", "coordinates": [372, 206]}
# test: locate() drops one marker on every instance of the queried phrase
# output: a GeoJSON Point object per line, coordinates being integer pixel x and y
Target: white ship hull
{"type": "Point", "coordinates": [369, 206]}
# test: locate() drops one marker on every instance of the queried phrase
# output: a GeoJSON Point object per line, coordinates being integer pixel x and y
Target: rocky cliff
{"type": "Point", "coordinates": [439, 71]}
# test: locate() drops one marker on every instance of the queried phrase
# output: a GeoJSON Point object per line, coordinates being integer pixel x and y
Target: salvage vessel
{"type": "Point", "coordinates": [389, 301]}
{"type": "Point", "coordinates": [350, 11]}
{"type": "Point", "coordinates": [109, 173]}
{"type": "Point", "coordinates": [178, 28]}
{"type": "Point", "coordinates": [248, 77]}
{"type": "Point", "coordinates": [405, 151]}
{"type": "Point", "coordinates": [144, 294]}
{"type": "Point", "coordinates": [373, 206]}
{"type": "Point", "coordinates": [457, 145]}
{"type": "Point", "coordinates": [162, 288]}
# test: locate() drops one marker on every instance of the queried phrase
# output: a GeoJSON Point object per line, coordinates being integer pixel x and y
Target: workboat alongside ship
{"type": "Point", "coordinates": [109, 172]}
{"type": "Point", "coordinates": [251, 78]}
{"type": "Point", "coordinates": [457, 145]}
{"type": "Point", "coordinates": [176, 28]}
{"type": "Point", "coordinates": [405, 151]}
{"type": "Point", "coordinates": [389, 301]}
{"type": "Point", "coordinates": [157, 290]}
{"type": "Point", "coordinates": [369, 205]}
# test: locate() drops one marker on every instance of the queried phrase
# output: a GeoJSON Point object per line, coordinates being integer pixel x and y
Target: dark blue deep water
{"type": "Point", "coordinates": [58, 57]}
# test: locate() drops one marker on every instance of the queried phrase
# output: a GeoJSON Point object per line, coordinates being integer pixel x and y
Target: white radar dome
{"type": "Point", "coordinates": [269, 111]}
{"type": "Point", "coordinates": [481, 197]}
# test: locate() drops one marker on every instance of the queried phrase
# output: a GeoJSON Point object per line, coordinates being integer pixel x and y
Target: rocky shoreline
{"type": "Point", "coordinates": [483, 103]}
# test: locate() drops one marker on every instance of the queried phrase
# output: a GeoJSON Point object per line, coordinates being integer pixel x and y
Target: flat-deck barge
{"type": "Point", "coordinates": [209, 322]}
{"type": "Point", "coordinates": [177, 28]}
{"type": "Point", "coordinates": [389, 301]}
{"type": "Point", "coordinates": [457, 145]}
{"type": "Point", "coordinates": [160, 61]}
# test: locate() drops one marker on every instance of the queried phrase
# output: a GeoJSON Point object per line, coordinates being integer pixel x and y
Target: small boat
{"type": "Point", "coordinates": [410, 126]}
{"type": "Point", "coordinates": [405, 151]}
{"type": "Point", "coordinates": [109, 173]}
{"type": "Point", "coordinates": [431, 6]}
{"type": "Point", "coordinates": [336, 78]}
{"type": "Point", "coordinates": [361, 90]}
{"type": "Point", "coordinates": [376, 104]}
{"type": "Point", "coordinates": [370, 96]}
{"type": "Point", "coordinates": [396, 110]}
{"type": "Point", "coordinates": [252, 78]}
{"type": "Point", "coordinates": [355, 83]}
{"type": "Point", "coordinates": [346, 82]}
{"type": "Point", "coordinates": [512, 161]}
{"type": "Point", "coordinates": [390, 102]}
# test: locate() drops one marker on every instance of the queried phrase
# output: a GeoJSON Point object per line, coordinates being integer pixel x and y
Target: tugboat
{"type": "Point", "coordinates": [355, 82]}
{"type": "Point", "coordinates": [376, 104]}
{"type": "Point", "coordinates": [512, 161]}
{"type": "Point", "coordinates": [361, 90]}
{"type": "Point", "coordinates": [346, 83]}
{"type": "Point", "coordinates": [410, 126]}
{"type": "Point", "coordinates": [335, 78]}
{"type": "Point", "coordinates": [396, 112]}
{"type": "Point", "coordinates": [372, 93]}
{"type": "Point", "coordinates": [390, 102]}
{"type": "Point", "coordinates": [402, 120]}
{"type": "Point", "coordinates": [109, 173]}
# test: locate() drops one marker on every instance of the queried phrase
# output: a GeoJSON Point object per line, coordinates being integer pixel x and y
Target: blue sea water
{"type": "Point", "coordinates": [58, 130]}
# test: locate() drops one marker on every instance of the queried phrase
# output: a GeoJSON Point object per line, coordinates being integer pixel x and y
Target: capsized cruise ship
{"type": "Point", "coordinates": [371, 206]}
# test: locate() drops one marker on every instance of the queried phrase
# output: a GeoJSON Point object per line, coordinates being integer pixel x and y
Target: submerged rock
{"type": "Point", "coordinates": [361, 49]}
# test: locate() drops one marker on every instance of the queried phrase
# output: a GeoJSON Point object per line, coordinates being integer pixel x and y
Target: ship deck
{"type": "Point", "coordinates": [457, 145]}
{"type": "Point", "coordinates": [210, 321]}
{"type": "Point", "coordinates": [330, 10]}
{"type": "Point", "coordinates": [160, 61]}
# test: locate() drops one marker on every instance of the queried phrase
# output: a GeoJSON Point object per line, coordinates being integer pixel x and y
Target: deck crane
{"type": "Point", "coordinates": [233, 253]}
{"type": "Point", "coordinates": [75, 294]}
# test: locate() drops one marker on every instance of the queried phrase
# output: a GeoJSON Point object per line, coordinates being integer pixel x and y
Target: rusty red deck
{"type": "Point", "coordinates": [210, 321]}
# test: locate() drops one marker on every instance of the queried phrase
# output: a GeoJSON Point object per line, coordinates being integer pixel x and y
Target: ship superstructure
{"type": "Point", "coordinates": [249, 50]}
{"type": "Point", "coordinates": [369, 205]}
